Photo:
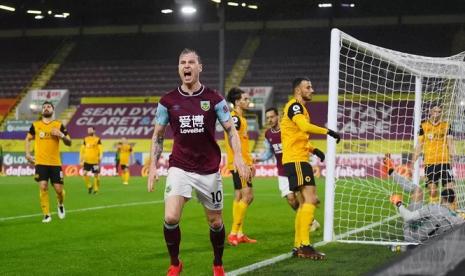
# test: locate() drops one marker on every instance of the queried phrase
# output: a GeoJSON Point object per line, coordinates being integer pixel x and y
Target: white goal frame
{"type": "Point", "coordinates": [453, 68]}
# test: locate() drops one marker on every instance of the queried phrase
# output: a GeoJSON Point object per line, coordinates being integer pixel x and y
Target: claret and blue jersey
{"type": "Point", "coordinates": [192, 119]}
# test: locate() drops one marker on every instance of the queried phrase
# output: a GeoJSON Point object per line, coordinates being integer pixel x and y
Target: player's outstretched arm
{"type": "Point", "coordinates": [155, 152]}
{"type": "Point", "coordinates": [405, 213]}
{"type": "Point", "coordinates": [304, 125]}
{"type": "Point", "coordinates": [243, 170]}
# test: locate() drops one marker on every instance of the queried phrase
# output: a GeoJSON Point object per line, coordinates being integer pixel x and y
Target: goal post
{"type": "Point", "coordinates": [377, 100]}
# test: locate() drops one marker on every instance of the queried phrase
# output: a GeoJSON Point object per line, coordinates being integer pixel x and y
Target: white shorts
{"type": "Point", "coordinates": [284, 185]}
{"type": "Point", "coordinates": [209, 188]}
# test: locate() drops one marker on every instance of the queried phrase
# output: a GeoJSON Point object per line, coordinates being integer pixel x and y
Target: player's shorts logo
{"type": "Point", "coordinates": [205, 105]}
{"type": "Point", "coordinates": [307, 179]}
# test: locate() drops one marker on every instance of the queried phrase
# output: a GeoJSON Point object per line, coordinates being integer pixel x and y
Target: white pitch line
{"type": "Point", "coordinates": [89, 209]}
{"type": "Point", "coordinates": [285, 256]}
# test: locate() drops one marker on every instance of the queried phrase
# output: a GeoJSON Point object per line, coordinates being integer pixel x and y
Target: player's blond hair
{"type": "Point", "coordinates": [186, 51]}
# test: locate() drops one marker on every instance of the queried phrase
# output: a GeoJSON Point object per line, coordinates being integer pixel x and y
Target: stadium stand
{"type": "Point", "coordinates": [21, 59]}
{"type": "Point", "coordinates": [139, 65]}
{"type": "Point", "coordinates": [142, 64]}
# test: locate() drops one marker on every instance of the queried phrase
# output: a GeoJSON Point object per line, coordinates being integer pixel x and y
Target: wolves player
{"type": "Point", "coordinates": [90, 156]}
{"type": "Point", "coordinates": [192, 110]}
{"type": "Point", "coordinates": [423, 221]}
{"type": "Point", "coordinates": [125, 155]}
{"type": "Point", "coordinates": [436, 141]}
{"type": "Point", "coordinates": [47, 134]}
{"type": "Point", "coordinates": [295, 129]}
{"type": "Point", "coordinates": [273, 147]}
{"type": "Point", "coordinates": [243, 190]}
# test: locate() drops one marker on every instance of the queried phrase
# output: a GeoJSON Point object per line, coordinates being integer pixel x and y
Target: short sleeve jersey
{"type": "Point", "coordinates": [294, 141]}
{"type": "Point", "coordinates": [125, 154]}
{"type": "Point", "coordinates": [92, 146]}
{"type": "Point", "coordinates": [46, 146]}
{"type": "Point", "coordinates": [434, 137]}
{"type": "Point", "coordinates": [192, 118]}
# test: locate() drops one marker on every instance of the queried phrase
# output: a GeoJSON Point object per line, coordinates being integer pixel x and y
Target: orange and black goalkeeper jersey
{"type": "Point", "coordinates": [241, 126]}
{"type": "Point", "coordinates": [434, 139]}
{"type": "Point", "coordinates": [125, 154]}
{"type": "Point", "coordinates": [295, 141]}
{"type": "Point", "coordinates": [46, 146]}
{"type": "Point", "coordinates": [91, 149]}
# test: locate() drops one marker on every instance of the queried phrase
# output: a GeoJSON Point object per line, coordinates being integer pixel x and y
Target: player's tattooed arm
{"type": "Point", "coordinates": [158, 148]}
{"type": "Point", "coordinates": [157, 143]}
{"type": "Point", "coordinates": [155, 152]}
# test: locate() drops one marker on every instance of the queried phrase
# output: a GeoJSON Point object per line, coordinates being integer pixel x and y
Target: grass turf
{"type": "Point", "coordinates": [119, 232]}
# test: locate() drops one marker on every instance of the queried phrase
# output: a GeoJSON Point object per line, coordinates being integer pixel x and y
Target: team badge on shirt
{"type": "Point", "coordinates": [205, 105]}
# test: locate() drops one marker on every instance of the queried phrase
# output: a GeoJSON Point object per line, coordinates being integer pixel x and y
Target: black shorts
{"type": "Point", "coordinates": [45, 172]}
{"type": "Point", "coordinates": [438, 173]}
{"type": "Point", "coordinates": [94, 168]}
{"type": "Point", "coordinates": [299, 174]}
{"type": "Point", "coordinates": [239, 182]}
{"type": "Point", "coordinates": [123, 167]}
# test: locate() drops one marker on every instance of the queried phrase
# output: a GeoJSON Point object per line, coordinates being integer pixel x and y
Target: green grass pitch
{"type": "Point", "coordinates": [119, 232]}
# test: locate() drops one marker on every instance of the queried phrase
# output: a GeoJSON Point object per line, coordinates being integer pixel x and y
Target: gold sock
{"type": "Point", "coordinates": [44, 202]}
{"type": "Point", "coordinates": [96, 183]}
{"type": "Point", "coordinates": [238, 220]}
{"type": "Point", "coordinates": [125, 177]}
{"type": "Point", "coordinates": [234, 215]}
{"type": "Point", "coordinates": [86, 181]}
{"type": "Point", "coordinates": [244, 206]}
{"type": "Point", "coordinates": [306, 218]}
{"type": "Point", "coordinates": [297, 240]}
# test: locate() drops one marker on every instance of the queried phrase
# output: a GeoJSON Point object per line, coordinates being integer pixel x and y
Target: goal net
{"type": "Point", "coordinates": [378, 99]}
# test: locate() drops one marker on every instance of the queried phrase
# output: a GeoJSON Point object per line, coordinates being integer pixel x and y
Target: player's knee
{"type": "Point", "coordinates": [292, 201]}
{"type": "Point", "coordinates": [249, 198]}
{"type": "Point", "coordinates": [172, 220]}
{"type": "Point", "coordinates": [215, 223]}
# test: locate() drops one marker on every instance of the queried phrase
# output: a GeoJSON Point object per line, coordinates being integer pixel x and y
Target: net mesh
{"type": "Point", "coordinates": [376, 116]}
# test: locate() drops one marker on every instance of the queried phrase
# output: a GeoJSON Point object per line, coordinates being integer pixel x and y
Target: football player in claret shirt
{"type": "Point", "coordinates": [47, 134]}
{"type": "Point", "coordinates": [89, 158]}
{"type": "Point", "coordinates": [273, 147]}
{"type": "Point", "coordinates": [125, 155]}
{"type": "Point", "coordinates": [436, 141]}
{"type": "Point", "coordinates": [243, 191]}
{"type": "Point", "coordinates": [295, 129]}
{"type": "Point", "coordinates": [192, 111]}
